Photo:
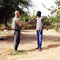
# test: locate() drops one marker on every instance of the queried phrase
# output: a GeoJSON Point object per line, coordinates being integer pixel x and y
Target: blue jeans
{"type": "Point", "coordinates": [39, 38]}
{"type": "Point", "coordinates": [16, 39]}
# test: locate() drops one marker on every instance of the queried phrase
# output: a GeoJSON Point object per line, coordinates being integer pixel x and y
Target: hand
{"type": "Point", "coordinates": [23, 25]}
{"type": "Point", "coordinates": [26, 23]}
{"type": "Point", "coordinates": [40, 31]}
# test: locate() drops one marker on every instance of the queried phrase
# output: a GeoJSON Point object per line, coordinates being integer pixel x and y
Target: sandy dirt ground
{"type": "Point", "coordinates": [28, 44]}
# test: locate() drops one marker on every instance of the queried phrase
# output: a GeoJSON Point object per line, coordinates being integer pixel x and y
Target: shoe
{"type": "Point", "coordinates": [40, 49]}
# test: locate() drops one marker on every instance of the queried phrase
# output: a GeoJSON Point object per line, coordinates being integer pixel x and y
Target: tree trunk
{"type": "Point", "coordinates": [5, 22]}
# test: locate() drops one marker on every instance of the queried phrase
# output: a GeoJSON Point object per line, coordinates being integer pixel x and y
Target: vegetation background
{"type": "Point", "coordinates": [7, 8]}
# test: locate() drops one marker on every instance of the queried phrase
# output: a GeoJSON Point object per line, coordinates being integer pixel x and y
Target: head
{"type": "Point", "coordinates": [38, 13]}
{"type": "Point", "coordinates": [17, 13]}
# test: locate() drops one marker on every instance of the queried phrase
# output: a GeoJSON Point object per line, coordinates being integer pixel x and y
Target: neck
{"type": "Point", "coordinates": [17, 16]}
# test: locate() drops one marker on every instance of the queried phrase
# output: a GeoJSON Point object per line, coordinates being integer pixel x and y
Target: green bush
{"type": "Point", "coordinates": [2, 25]}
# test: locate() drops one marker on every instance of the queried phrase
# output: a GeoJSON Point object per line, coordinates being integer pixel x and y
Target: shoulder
{"type": "Point", "coordinates": [37, 18]}
{"type": "Point", "coordinates": [42, 17]}
{"type": "Point", "coordinates": [14, 18]}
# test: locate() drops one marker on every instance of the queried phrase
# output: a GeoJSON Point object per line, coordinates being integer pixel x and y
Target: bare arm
{"type": "Point", "coordinates": [42, 23]}
{"type": "Point", "coordinates": [22, 25]}
{"type": "Point", "coordinates": [33, 21]}
{"type": "Point", "coordinates": [19, 22]}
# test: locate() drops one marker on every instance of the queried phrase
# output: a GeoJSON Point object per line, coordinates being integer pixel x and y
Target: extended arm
{"type": "Point", "coordinates": [42, 22]}
{"type": "Point", "coordinates": [33, 21]}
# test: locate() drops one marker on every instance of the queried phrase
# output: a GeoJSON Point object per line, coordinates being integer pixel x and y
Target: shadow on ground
{"type": "Point", "coordinates": [30, 38]}
{"type": "Point", "coordinates": [44, 48]}
{"type": "Point", "coordinates": [26, 38]}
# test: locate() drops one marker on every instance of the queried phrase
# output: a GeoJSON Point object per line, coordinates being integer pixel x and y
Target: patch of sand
{"type": "Point", "coordinates": [50, 46]}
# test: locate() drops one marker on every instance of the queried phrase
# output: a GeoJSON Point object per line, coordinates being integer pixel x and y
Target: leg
{"type": "Point", "coordinates": [16, 39]}
{"type": "Point", "coordinates": [40, 39]}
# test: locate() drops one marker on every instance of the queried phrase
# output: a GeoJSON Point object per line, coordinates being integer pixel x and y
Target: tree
{"type": "Point", "coordinates": [55, 20]}
{"type": "Point", "coordinates": [56, 10]}
{"type": "Point", "coordinates": [7, 8]}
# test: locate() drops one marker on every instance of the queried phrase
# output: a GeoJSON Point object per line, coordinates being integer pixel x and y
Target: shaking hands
{"type": "Point", "coordinates": [25, 24]}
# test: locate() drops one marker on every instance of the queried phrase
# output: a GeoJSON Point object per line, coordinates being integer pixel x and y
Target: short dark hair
{"type": "Point", "coordinates": [38, 13]}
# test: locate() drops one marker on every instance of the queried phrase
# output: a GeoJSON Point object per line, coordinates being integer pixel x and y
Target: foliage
{"type": "Point", "coordinates": [2, 25]}
{"type": "Point", "coordinates": [7, 7]}
{"type": "Point", "coordinates": [54, 21]}
{"type": "Point", "coordinates": [27, 18]}
{"type": "Point", "coordinates": [48, 23]}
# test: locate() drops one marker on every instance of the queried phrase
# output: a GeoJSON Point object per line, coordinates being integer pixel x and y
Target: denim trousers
{"type": "Point", "coordinates": [39, 38]}
{"type": "Point", "coordinates": [16, 39]}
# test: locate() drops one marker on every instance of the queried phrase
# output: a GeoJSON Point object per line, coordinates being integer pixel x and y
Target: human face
{"type": "Point", "coordinates": [17, 14]}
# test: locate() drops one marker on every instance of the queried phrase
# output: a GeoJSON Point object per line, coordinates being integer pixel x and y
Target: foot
{"type": "Point", "coordinates": [15, 50]}
{"type": "Point", "coordinates": [40, 49]}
